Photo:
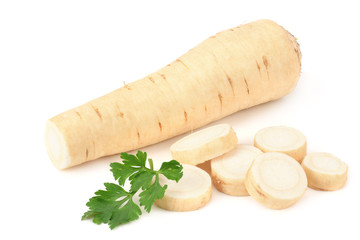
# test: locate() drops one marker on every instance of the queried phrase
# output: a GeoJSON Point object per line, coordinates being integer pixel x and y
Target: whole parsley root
{"type": "Point", "coordinates": [233, 70]}
{"type": "Point", "coordinates": [115, 205]}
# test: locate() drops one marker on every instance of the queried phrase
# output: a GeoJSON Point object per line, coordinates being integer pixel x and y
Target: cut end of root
{"type": "Point", "coordinates": [56, 146]}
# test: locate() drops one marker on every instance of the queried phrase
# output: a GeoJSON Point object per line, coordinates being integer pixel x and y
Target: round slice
{"type": "Point", "coordinates": [228, 171]}
{"type": "Point", "coordinates": [192, 192]}
{"type": "Point", "coordinates": [204, 145]}
{"type": "Point", "coordinates": [282, 139]}
{"type": "Point", "coordinates": [324, 171]}
{"type": "Point", "coordinates": [276, 180]}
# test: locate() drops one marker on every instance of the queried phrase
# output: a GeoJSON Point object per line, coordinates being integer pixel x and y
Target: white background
{"type": "Point", "coordinates": [55, 55]}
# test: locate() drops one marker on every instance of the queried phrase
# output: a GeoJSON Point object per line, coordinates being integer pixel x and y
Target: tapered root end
{"type": "Point", "coordinates": [56, 146]}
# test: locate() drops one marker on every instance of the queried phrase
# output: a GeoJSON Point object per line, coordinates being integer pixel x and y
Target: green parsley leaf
{"type": "Point", "coordinates": [149, 196]}
{"type": "Point", "coordinates": [171, 170]}
{"type": "Point", "coordinates": [102, 205]}
{"type": "Point", "coordinates": [136, 161]}
{"type": "Point", "coordinates": [114, 205]}
{"type": "Point", "coordinates": [129, 212]}
{"type": "Point", "coordinates": [122, 172]}
{"type": "Point", "coordinates": [141, 180]}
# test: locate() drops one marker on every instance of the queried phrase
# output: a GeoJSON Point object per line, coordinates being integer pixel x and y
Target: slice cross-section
{"type": "Point", "coordinates": [324, 171]}
{"type": "Point", "coordinates": [228, 171]}
{"type": "Point", "coordinates": [282, 139]}
{"type": "Point", "coordinates": [204, 145]}
{"type": "Point", "coordinates": [276, 180]}
{"type": "Point", "coordinates": [192, 192]}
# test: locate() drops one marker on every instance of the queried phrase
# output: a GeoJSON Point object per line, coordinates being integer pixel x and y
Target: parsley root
{"type": "Point", "coordinates": [235, 69]}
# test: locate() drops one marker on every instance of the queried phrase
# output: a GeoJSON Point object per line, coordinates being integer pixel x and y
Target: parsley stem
{"type": "Point", "coordinates": [151, 164]}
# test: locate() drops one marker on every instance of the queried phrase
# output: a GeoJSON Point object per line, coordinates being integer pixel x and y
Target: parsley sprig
{"type": "Point", "coordinates": [115, 205]}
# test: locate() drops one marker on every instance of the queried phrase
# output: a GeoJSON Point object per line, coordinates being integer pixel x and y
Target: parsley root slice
{"type": "Point", "coordinates": [282, 139]}
{"type": "Point", "coordinates": [233, 70]}
{"type": "Point", "coordinates": [325, 171]}
{"type": "Point", "coordinates": [228, 171]}
{"type": "Point", "coordinates": [204, 144]}
{"type": "Point", "coordinates": [192, 192]}
{"type": "Point", "coordinates": [276, 180]}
